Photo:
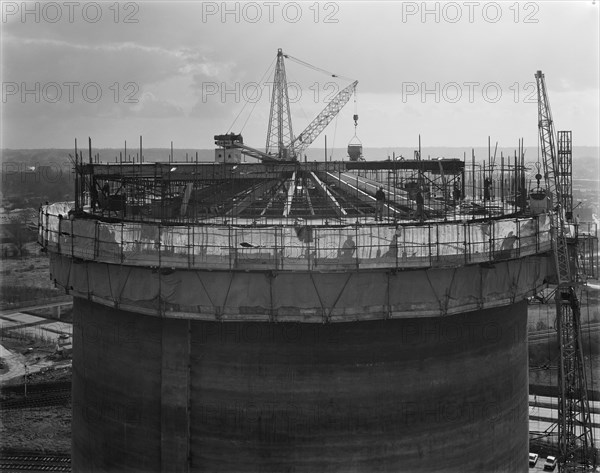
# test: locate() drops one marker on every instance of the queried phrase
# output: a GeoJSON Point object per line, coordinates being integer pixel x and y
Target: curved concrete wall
{"type": "Point", "coordinates": [309, 297]}
{"type": "Point", "coordinates": [411, 394]}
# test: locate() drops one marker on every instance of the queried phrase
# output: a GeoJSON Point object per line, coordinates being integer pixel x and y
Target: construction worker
{"type": "Point", "coordinates": [487, 184]}
{"type": "Point", "coordinates": [456, 194]}
{"type": "Point", "coordinates": [348, 248]}
{"type": "Point", "coordinates": [506, 249]}
{"type": "Point", "coordinates": [420, 213]}
{"type": "Point", "coordinates": [379, 203]}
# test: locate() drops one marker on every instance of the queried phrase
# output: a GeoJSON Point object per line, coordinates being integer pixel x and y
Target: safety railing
{"type": "Point", "coordinates": [302, 247]}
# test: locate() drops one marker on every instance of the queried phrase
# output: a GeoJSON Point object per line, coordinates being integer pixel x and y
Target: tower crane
{"type": "Point", "coordinates": [281, 144]}
{"type": "Point", "coordinates": [575, 435]}
{"type": "Point", "coordinates": [314, 129]}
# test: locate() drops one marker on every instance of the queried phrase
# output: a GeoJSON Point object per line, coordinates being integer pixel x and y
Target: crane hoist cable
{"type": "Point", "coordinates": [268, 71]}
{"type": "Point", "coordinates": [355, 139]}
{"type": "Point", "coordinates": [319, 69]}
{"type": "Point", "coordinates": [334, 135]}
{"type": "Point", "coordinates": [355, 116]}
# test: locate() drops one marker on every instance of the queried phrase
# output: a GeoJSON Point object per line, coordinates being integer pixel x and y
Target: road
{"type": "Point", "coordinates": [33, 326]}
{"type": "Point", "coordinates": [17, 324]}
{"type": "Point", "coordinates": [542, 420]}
{"type": "Point", "coordinates": [63, 302]}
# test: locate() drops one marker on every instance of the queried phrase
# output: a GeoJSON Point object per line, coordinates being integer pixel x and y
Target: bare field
{"type": "Point", "coordinates": [26, 280]}
{"type": "Point", "coordinates": [30, 270]}
{"type": "Point", "coordinates": [40, 429]}
{"type": "Point", "coordinates": [45, 429]}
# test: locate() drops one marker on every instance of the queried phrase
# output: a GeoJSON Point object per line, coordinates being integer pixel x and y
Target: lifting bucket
{"type": "Point", "coordinates": [354, 151]}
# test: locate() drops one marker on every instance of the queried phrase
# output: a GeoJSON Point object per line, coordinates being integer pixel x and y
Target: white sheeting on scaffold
{"type": "Point", "coordinates": [292, 247]}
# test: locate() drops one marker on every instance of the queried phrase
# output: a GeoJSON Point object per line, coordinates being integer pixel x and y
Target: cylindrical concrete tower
{"type": "Point", "coordinates": [237, 317]}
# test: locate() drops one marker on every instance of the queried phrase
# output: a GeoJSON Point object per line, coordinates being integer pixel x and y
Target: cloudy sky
{"type": "Point", "coordinates": [454, 72]}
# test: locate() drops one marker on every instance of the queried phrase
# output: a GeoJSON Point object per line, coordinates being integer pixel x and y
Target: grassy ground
{"type": "Point", "coordinates": [46, 429]}
{"type": "Point", "coordinates": [26, 280]}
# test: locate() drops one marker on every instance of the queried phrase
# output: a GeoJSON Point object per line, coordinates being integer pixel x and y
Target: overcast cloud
{"type": "Point", "coordinates": [454, 72]}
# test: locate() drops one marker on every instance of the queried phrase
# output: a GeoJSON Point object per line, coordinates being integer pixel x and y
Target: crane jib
{"type": "Point", "coordinates": [575, 437]}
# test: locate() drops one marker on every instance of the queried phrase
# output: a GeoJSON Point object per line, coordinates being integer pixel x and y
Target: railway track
{"type": "Point", "coordinates": [37, 387]}
{"type": "Point", "coordinates": [35, 401]}
{"type": "Point", "coordinates": [16, 461]}
{"type": "Point", "coordinates": [41, 395]}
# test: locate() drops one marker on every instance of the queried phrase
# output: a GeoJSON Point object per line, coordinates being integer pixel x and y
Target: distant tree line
{"type": "Point", "coordinates": [26, 187]}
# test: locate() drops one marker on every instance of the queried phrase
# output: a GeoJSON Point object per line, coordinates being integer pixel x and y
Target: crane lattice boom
{"type": "Point", "coordinates": [575, 438]}
{"type": "Point", "coordinates": [280, 133]}
{"type": "Point", "coordinates": [546, 130]}
{"type": "Point", "coordinates": [314, 129]}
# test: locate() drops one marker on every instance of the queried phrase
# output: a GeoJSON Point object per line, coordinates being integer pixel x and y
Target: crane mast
{"type": "Point", "coordinates": [280, 136]}
{"type": "Point", "coordinates": [575, 437]}
{"type": "Point", "coordinates": [281, 144]}
{"type": "Point", "coordinates": [280, 133]}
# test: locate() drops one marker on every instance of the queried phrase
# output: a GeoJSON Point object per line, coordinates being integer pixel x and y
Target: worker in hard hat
{"type": "Point", "coordinates": [379, 203]}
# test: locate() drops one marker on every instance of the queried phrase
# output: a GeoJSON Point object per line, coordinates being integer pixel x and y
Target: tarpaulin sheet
{"type": "Point", "coordinates": [85, 239]}
{"type": "Point", "coordinates": [185, 288]}
{"type": "Point", "coordinates": [139, 284]}
{"type": "Point", "coordinates": [329, 242]}
{"type": "Point", "coordinates": [215, 241]}
{"type": "Point", "coordinates": [255, 238]}
{"type": "Point", "coordinates": [109, 237]}
{"type": "Point", "coordinates": [249, 290]}
{"type": "Point", "coordinates": [505, 236]}
{"type": "Point", "coordinates": [355, 292]}
{"type": "Point", "coordinates": [411, 289]}
{"type": "Point", "coordinates": [374, 242]}
{"type": "Point", "coordinates": [414, 241]}
{"type": "Point", "coordinates": [299, 246]}
{"type": "Point", "coordinates": [304, 296]}
{"type": "Point", "coordinates": [59, 208]}
{"type": "Point", "coordinates": [175, 239]}
{"type": "Point", "coordinates": [65, 235]}
{"type": "Point", "coordinates": [200, 240]}
{"type": "Point", "coordinates": [449, 240]}
{"type": "Point", "coordinates": [297, 241]}
{"type": "Point", "coordinates": [479, 241]}
{"type": "Point", "coordinates": [132, 236]}
{"type": "Point", "coordinates": [294, 291]}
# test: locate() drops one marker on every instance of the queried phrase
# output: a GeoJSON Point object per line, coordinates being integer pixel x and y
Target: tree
{"type": "Point", "coordinates": [18, 234]}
